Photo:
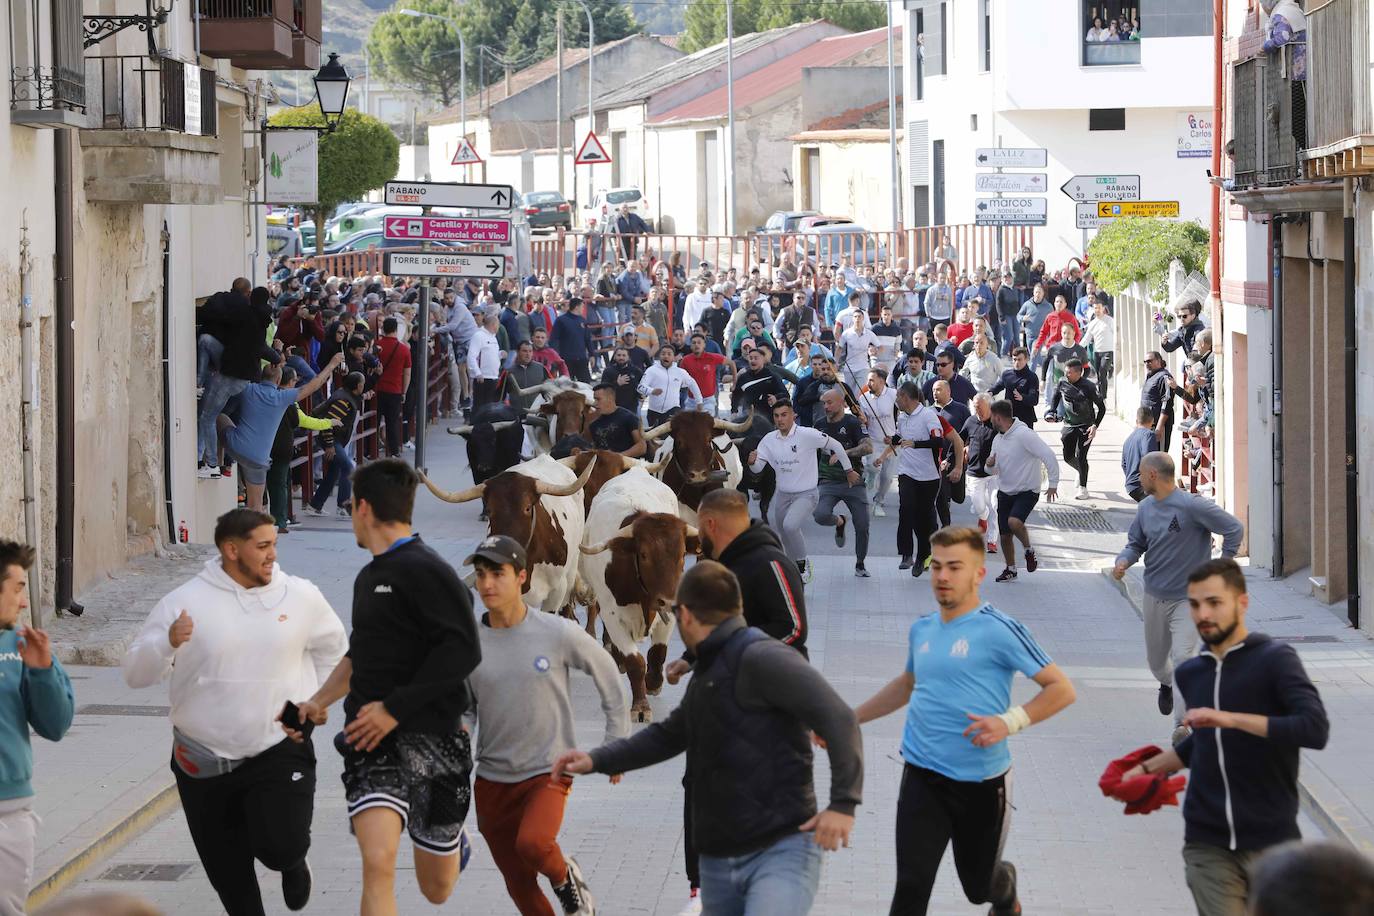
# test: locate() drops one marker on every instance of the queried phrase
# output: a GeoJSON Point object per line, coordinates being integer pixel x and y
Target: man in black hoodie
{"type": "Point", "coordinates": [242, 323]}
{"type": "Point", "coordinates": [1248, 725]}
{"type": "Point", "coordinates": [1022, 386]}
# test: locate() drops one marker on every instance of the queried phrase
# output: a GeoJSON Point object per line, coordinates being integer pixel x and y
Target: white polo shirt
{"type": "Point", "coordinates": [921, 424]}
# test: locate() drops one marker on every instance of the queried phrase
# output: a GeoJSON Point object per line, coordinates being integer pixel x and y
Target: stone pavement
{"type": "Point", "coordinates": [1076, 853]}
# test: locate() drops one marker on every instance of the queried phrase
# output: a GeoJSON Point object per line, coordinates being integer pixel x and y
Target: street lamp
{"type": "Point", "coordinates": [591, 111]}
{"type": "Point", "coordinates": [462, 61]}
{"type": "Point", "coordinates": [331, 90]}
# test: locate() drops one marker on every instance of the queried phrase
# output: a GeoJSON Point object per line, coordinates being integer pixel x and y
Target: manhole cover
{"type": "Point", "coordinates": [1076, 519]}
{"type": "Point", "coordinates": [99, 709]}
{"type": "Point", "coordinates": [164, 871]}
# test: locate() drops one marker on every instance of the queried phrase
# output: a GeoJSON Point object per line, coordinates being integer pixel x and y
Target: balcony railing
{"type": "Point", "coordinates": [47, 79]}
{"type": "Point", "coordinates": [1110, 53]}
{"type": "Point", "coordinates": [1338, 73]}
{"type": "Point", "coordinates": [132, 92]}
{"type": "Point", "coordinates": [1269, 119]}
{"type": "Point", "coordinates": [262, 34]}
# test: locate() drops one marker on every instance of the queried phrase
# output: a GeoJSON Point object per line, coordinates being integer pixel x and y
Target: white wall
{"type": "Point", "coordinates": [854, 180]}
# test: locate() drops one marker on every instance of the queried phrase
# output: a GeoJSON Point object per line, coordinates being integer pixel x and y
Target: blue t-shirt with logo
{"type": "Point", "coordinates": [961, 667]}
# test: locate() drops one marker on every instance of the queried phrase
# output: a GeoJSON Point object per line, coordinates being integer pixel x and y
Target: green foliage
{"type": "Point", "coordinates": [422, 53]}
{"type": "Point", "coordinates": [361, 155]}
{"type": "Point", "coordinates": [705, 19]}
{"type": "Point", "coordinates": [1136, 249]}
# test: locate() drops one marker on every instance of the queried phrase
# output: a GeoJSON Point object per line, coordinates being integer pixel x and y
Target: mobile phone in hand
{"type": "Point", "coordinates": [291, 718]}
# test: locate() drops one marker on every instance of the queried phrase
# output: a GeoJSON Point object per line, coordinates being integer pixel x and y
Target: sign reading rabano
{"type": "Point", "coordinates": [291, 173]}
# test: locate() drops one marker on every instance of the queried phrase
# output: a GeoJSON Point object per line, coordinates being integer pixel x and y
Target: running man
{"type": "Point", "coordinates": [921, 433]}
{"type": "Point", "coordinates": [979, 433]}
{"type": "Point", "coordinates": [524, 716]}
{"type": "Point", "coordinates": [837, 485]}
{"type": "Point", "coordinates": [956, 687]}
{"type": "Point", "coordinates": [413, 646]}
{"type": "Point", "coordinates": [1015, 452]}
{"type": "Point", "coordinates": [1173, 531]}
{"type": "Point", "coordinates": [1077, 402]}
{"type": "Point", "coordinates": [792, 450]}
{"type": "Point", "coordinates": [879, 406]}
{"type": "Point", "coordinates": [237, 642]}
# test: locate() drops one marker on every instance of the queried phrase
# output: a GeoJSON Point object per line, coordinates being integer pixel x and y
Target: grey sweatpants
{"type": "Point", "coordinates": [18, 828]}
{"type": "Point", "coordinates": [1170, 640]}
{"type": "Point", "coordinates": [856, 498]}
{"type": "Point", "coordinates": [788, 513]}
{"type": "Point", "coordinates": [1219, 878]}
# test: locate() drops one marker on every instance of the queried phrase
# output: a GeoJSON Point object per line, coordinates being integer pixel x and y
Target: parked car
{"type": "Point", "coordinates": [605, 203]}
{"type": "Point", "coordinates": [827, 239]}
{"type": "Point", "coordinates": [370, 238]}
{"type": "Point", "coordinates": [547, 210]}
{"type": "Point", "coordinates": [775, 234]}
{"type": "Point", "coordinates": [283, 240]}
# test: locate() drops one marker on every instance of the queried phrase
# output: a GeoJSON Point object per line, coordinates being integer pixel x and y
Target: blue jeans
{"type": "Point", "coordinates": [217, 394]}
{"type": "Point", "coordinates": [1010, 329]}
{"type": "Point", "coordinates": [307, 374]}
{"type": "Point", "coordinates": [780, 880]}
{"type": "Point", "coordinates": [339, 471]}
{"type": "Point", "coordinates": [209, 351]}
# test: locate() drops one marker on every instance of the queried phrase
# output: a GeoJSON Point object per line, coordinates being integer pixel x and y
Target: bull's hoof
{"type": "Point", "coordinates": [655, 690]}
{"type": "Point", "coordinates": [485, 518]}
{"type": "Point", "coordinates": [641, 712]}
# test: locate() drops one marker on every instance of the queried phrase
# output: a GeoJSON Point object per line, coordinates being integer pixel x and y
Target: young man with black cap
{"type": "Point", "coordinates": [413, 646]}
{"type": "Point", "coordinates": [522, 707]}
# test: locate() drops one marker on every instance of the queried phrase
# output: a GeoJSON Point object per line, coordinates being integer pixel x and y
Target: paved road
{"type": "Point", "coordinates": [1076, 852]}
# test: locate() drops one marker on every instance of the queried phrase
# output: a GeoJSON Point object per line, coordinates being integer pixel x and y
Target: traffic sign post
{"type": "Point", "coordinates": [451, 194]}
{"type": "Point", "coordinates": [1011, 182]}
{"type": "Point", "coordinates": [1164, 208]}
{"type": "Point", "coordinates": [1010, 211]}
{"type": "Point", "coordinates": [446, 229]}
{"type": "Point", "coordinates": [1102, 187]}
{"type": "Point", "coordinates": [466, 154]}
{"type": "Point", "coordinates": [1085, 217]}
{"type": "Point", "coordinates": [1011, 157]}
{"type": "Point", "coordinates": [478, 265]}
{"type": "Point", "coordinates": [591, 151]}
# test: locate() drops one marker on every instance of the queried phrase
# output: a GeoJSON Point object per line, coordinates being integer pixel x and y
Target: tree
{"type": "Point", "coordinates": [705, 19]}
{"type": "Point", "coordinates": [418, 52]}
{"type": "Point", "coordinates": [1139, 250]}
{"type": "Point", "coordinates": [362, 154]}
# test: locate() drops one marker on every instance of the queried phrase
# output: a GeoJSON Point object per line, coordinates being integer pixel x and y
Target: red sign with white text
{"type": "Point", "coordinates": [446, 229]}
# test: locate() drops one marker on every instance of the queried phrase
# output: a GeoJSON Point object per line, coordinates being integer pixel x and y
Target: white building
{"type": "Point", "coordinates": [1020, 74]}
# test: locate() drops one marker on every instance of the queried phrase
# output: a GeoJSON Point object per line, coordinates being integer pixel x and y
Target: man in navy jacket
{"type": "Point", "coordinates": [573, 341]}
{"type": "Point", "coordinates": [1251, 708]}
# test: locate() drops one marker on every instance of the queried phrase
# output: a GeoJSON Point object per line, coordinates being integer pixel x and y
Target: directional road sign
{"type": "Point", "coordinates": [1011, 182]}
{"type": "Point", "coordinates": [1010, 211]}
{"type": "Point", "coordinates": [437, 194]}
{"type": "Point", "coordinates": [1137, 208]}
{"type": "Point", "coordinates": [435, 264]}
{"type": "Point", "coordinates": [592, 152]}
{"type": "Point", "coordinates": [1102, 187]}
{"type": "Point", "coordinates": [445, 229]}
{"type": "Point", "coordinates": [1085, 217]}
{"type": "Point", "coordinates": [1010, 157]}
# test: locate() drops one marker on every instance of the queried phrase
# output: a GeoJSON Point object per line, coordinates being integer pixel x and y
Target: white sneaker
{"type": "Point", "coordinates": [1082, 493]}
{"type": "Point", "coordinates": [204, 473]}
{"type": "Point", "coordinates": [693, 906]}
{"type": "Point", "coordinates": [311, 510]}
{"type": "Point", "coordinates": [878, 512]}
{"type": "Point", "coordinates": [410, 446]}
{"type": "Point", "coordinates": [343, 512]}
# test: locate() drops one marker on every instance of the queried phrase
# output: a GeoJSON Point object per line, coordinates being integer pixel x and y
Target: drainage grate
{"type": "Point", "coordinates": [1076, 519]}
{"type": "Point", "coordinates": [1308, 638]}
{"type": "Point", "coordinates": [99, 709]}
{"type": "Point", "coordinates": [165, 871]}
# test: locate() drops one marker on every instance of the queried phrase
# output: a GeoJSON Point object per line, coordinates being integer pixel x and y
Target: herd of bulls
{"type": "Point", "coordinates": [608, 532]}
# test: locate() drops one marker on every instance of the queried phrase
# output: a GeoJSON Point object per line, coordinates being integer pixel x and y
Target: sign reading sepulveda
{"type": "Point", "coordinates": [1102, 187]}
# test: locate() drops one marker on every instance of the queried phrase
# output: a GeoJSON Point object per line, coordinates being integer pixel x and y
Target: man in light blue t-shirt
{"type": "Point", "coordinates": [956, 687]}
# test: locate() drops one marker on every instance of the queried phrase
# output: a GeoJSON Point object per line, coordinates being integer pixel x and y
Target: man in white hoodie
{"type": "Point", "coordinates": [1017, 454]}
{"type": "Point", "coordinates": [238, 641]}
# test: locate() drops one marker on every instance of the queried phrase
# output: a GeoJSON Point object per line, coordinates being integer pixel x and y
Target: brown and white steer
{"type": "Point", "coordinates": [697, 457]}
{"type": "Point", "coordinates": [538, 503]}
{"type": "Point", "coordinates": [608, 465]}
{"type": "Point", "coordinates": [632, 560]}
{"type": "Point", "coordinates": [564, 408]}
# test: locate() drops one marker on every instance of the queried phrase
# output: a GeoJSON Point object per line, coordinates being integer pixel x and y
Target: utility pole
{"type": "Point", "coordinates": [730, 114]}
{"type": "Point", "coordinates": [558, 96]}
{"type": "Point", "coordinates": [892, 119]}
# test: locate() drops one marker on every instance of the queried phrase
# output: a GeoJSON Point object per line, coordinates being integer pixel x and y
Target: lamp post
{"type": "Point", "coordinates": [892, 121]}
{"type": "Point", "coordinates": [591, 112]}
{"type": "Point", "coordinates": [730, 113]}
{"type": "Point", "coordinates": [331, 90]}
{"type": "Point", "coordinates": [462, 61]}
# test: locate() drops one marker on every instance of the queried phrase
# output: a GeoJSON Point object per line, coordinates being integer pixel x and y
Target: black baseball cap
{"type": "Point", "coordinates": [500, 549]}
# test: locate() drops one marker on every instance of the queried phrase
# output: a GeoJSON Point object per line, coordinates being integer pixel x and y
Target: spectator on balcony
{"type": "Point", "coordinates": [283, 450]}
{"type": "Point", "coordinates": [243, 326]}
{"type": "Point", "coordinates": [1113, 32]}
{"type": "Point", "coordinates": [1096, 31]}
{"type": "Point", "coordinates": [341, 411]}
{"type": "Point", "coordinates": [572, 339]}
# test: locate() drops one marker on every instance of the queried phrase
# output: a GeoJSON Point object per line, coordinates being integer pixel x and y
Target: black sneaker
{"type": "Point", "coordinates": [1166, 700]}
{"type": "Point", "coordinates": [295, 886]}
{"type": "Point", "coordinates": [1007, 575]}
{"type": "Point", "coordinates": [840, 526]}
{"type": "Point", "coordinates": [919, 567]}
{"type": "Point", "coordinates": [1007, 893]}
{"type": "Point", "coordinates": [860, 571]}
{"type": "Point", "coordinates": [574, 894]}
{"type": "Point", "coordinates": [1032, 564]}
{"type": "Point", "coordinates": [906, 562]}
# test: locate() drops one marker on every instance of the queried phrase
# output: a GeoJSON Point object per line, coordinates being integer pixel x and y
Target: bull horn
{"type": "Point", "coordinates": [503, 424]}
{"type": "Point", "coordinates": [535, 418]}
{"type": "Point", "coordinates": [569, 462]}
{"type": "Point", "coordinates": [591, 549]}
{"type": "Point", "coordinates": [462, 496]}
{"type": "Point", "coordinates": [545, 387]}
{"type": "Point", "coordinates": [459, 430]}
{"type": "Point", "coordinates": [550, 489]}
{"type": "Point", "coordinates": [720, 475]}
{"type": "Point", "coordinates": [742, 426]}
{"type": "Point", "coordinates": [690, 531]}
{"type": "Point", "coordinates": [656, 466]}
{"type": "Point", "coordinates": [659, 431]}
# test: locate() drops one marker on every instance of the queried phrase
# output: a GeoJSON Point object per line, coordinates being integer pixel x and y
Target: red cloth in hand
{"type": "Point", "coordinates": [1144, 793]}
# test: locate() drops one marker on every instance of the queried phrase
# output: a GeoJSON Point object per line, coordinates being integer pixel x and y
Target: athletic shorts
{"type": "Point", "coordinates": [250, 471]}
{"type": "Point", "coordinates": [422, 777]}
{"type": "Point", "coordinates": [1015, 506]}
